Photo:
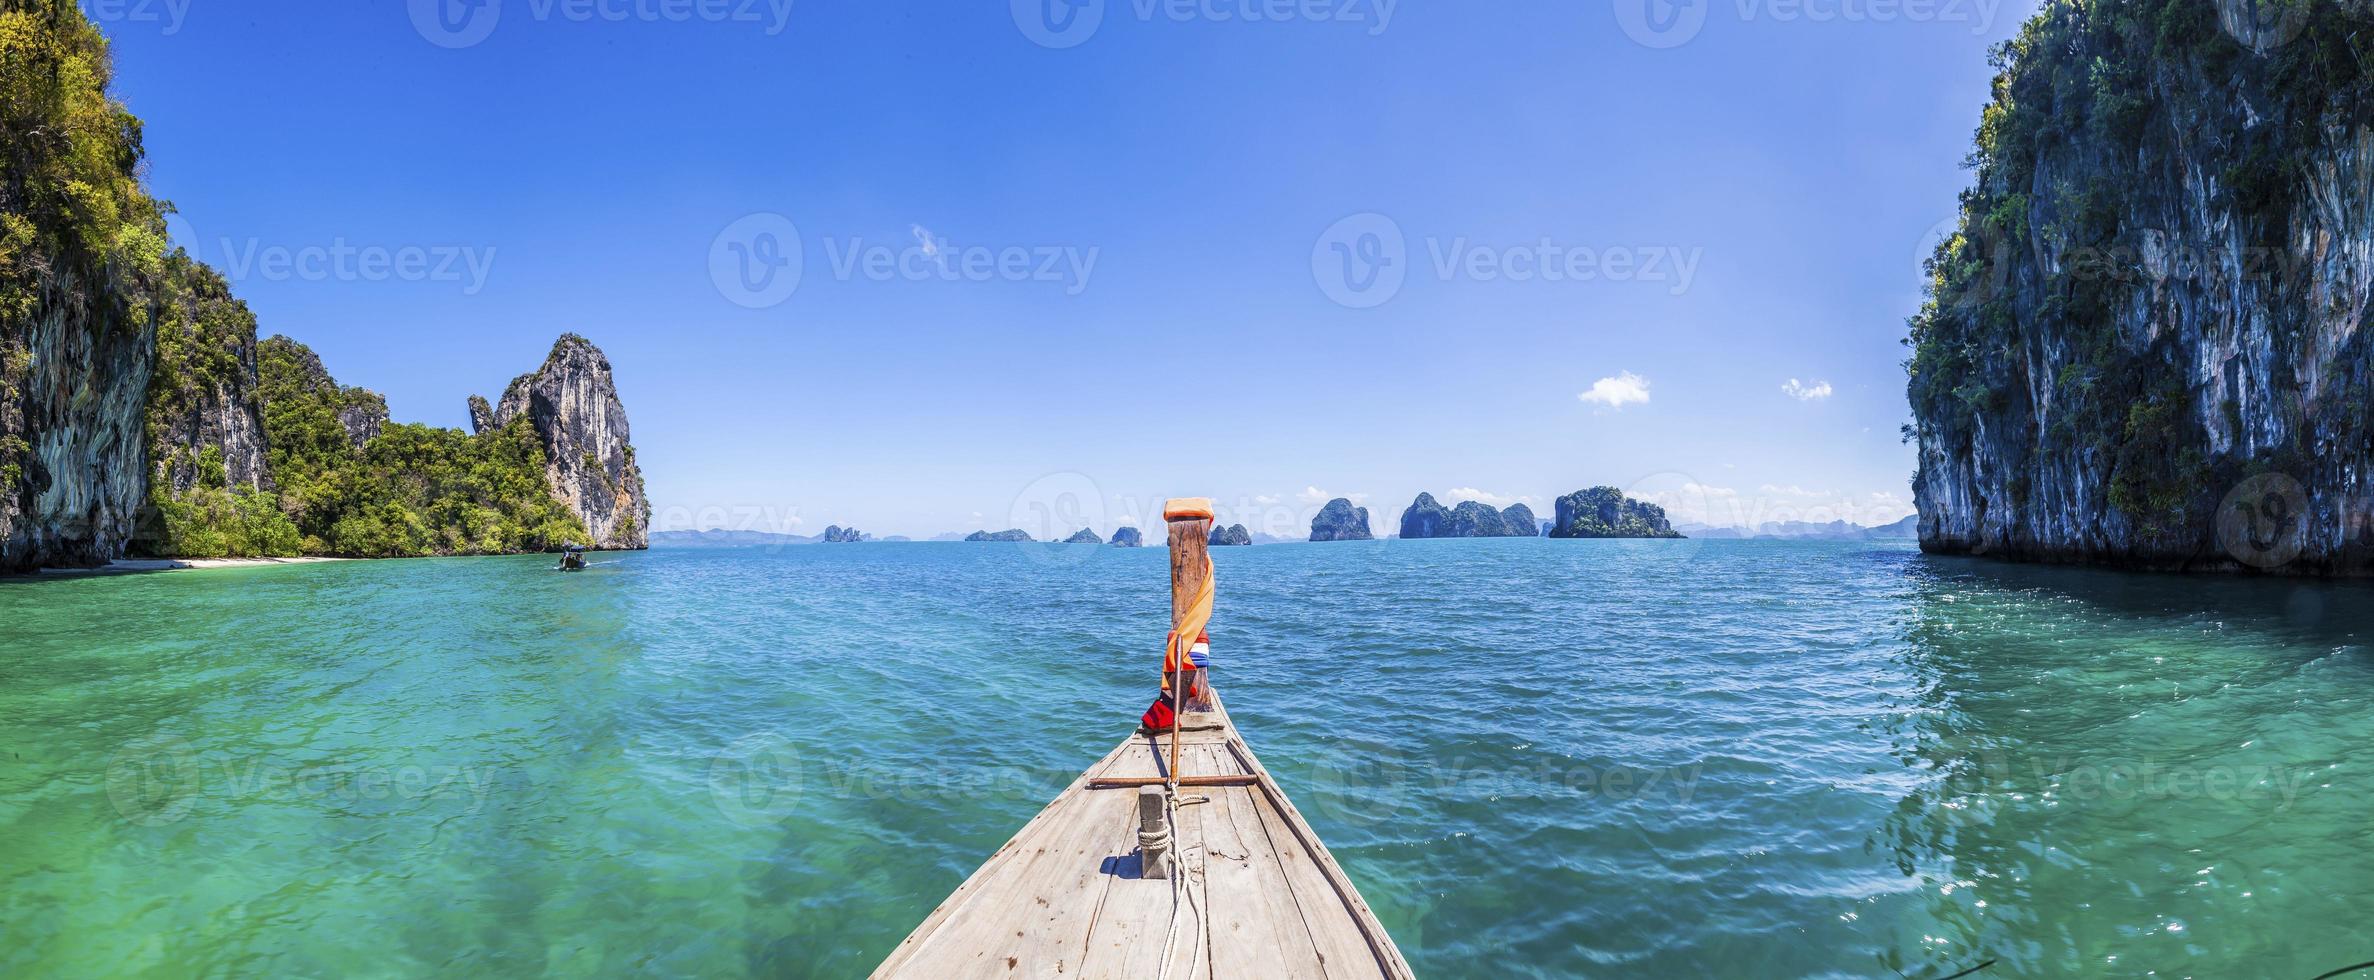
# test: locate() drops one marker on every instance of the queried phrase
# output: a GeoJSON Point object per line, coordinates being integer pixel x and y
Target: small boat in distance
{"type": "Point", "coordinates": [1176, 855]}
{"type": "Point", "coordinates": [572, 558]}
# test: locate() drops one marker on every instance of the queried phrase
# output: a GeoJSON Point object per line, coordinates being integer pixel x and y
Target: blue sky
{"type": "Point", "coordinates": [1053, 274]}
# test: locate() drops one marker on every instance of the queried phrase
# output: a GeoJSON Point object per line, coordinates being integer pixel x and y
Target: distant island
{"type": "Point", "coordinates": [1128, 537]}
{"type": "Point", "coordinates": [1084, 536]}
{"type": "Point", "coordinates": [836, 534]}
{"type": "Point", "coordinates": [1427, 518]}
{"type": "Point", "coordinates": [1233, 535]}
{"type": "Point", "coordinates": [1340, 521]}
{"type": "Point", "coordinates": [1016, 535]}
{"type": "Point", "coordinates": [1903, 530]}
{"type": "Point", "coordinates": [1604, 512]}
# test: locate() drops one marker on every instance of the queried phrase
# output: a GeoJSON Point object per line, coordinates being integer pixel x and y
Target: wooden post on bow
{"type": "Point", "coordinates": [1190, 520]}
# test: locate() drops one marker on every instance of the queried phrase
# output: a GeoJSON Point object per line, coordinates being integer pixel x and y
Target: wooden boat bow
{"type": "Point", "coordinates": [1253, 892]}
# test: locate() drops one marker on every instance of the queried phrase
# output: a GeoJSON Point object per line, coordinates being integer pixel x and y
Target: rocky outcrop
{"type": "Point", "coordinates": [2144, 343]}
{"type": "Point", "coordinates": [1084, 536]}
{"type": "Point", "coordinates": [205, 416]}
{"type": "Point", "coordinates": [361, 412]}
{"type": "Point", "coordinates": [1340, 521]}
{"type": "Point", "coordinates": [836, 534]}
{"type": "Point", "coordinates": [482, 415]}
{"type": "Point", "coordinates": [1427, 518]}
{"type": "Point", "coordinates": [1604, 512]}
{"type": "Point", "coordinates": [572, 401]}
{"type": "Point", "coordinates": [1231, 536]}
{"type": "Point", "coordinates": [1128, 537]}
{"type": "Point", "coordinates": [363, 415]}
{"type": "Point", "coordinates": [74, 369]}
{"type": "Point", "coordinates": [81, 247]}
{"type": "Point", "coordinates": [1015, 535]}
{"type": "Point", "coordinates": [1521, 522]}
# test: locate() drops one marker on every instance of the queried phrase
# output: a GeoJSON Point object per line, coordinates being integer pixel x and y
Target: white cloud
{"type": "Point", "coordinates": [929, 242]}
{"type": "Point", "coordinates": [1626, 388]}
{"type": "Point", "coordinates": [1457, 494]}
{"type": "Point", "coordinates": [1265, 500]}
{"type": "Point", "coordinates": [1806, 393]}
{"type": "Point", "coordinates": [1314, 495]}
{"type": "Point", "coordinates": [1792, 490]}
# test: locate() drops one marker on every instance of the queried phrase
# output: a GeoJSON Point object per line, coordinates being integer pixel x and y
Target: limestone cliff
{"type": "Point", "coordinates": [205, 417]}
{"type": "Point", "coordinates": [1426, 518]}
{"type": "Point", "coordinates": [82, 250]}
{"type": "Point", "coordinates": [2143, 345]}
{"type": "Point", "coordinates": [1232, 536]}
{"type": "Point", "coordinates": [1128, 537]}
{"type": "Point", "coordinates": [572, 401]}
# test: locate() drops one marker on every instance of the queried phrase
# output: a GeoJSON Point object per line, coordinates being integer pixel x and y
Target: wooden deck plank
{"type": "Point", "coordinates": [1257, 928]}
{"type": "Point", "coordinates": [1133, 931]}
{"type": "Point", "coordinates": [1343, 951]}
{"type": "Point", "coordinates": [1262, 897]}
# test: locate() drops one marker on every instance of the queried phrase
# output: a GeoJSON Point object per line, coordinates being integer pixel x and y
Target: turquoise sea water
{"type": "Point", "coordinates": [1536, 758]}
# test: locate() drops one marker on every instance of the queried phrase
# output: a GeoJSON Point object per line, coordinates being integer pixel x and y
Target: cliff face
{"type": "Point", "coordinates": [2143, 343]}
{"type": "Point", "coordinates": [1425, 518]}
{"type": "Point", "coordinates": [1340, 521]}
{"type": "Point", "coordinates": [1234, 535]}
{"type": "Point", "coordinates": [205, 418]}
{"type": "Point", "coordinates": [1521, 522]}
{"type": "Point", "coordinates": [572, 402]}
{"type": "Point", "coordinates": [81, 254]}
{"type": "Point", "coordinates": [74, 371]}
{"type": "Point", "coordinates": [1128, 537]}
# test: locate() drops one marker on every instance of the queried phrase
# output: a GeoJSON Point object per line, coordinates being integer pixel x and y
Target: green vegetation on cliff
{"type": "Point", "coordinates": [410, 490]}
{"type": "Point", "coordinates": [2116, 328]}
{"type": "Point", "coordinates": [81, 242]}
